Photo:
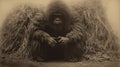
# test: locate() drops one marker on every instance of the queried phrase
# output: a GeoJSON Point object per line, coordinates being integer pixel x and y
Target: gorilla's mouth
{"type": "Point", "coordinates": [56, 22]}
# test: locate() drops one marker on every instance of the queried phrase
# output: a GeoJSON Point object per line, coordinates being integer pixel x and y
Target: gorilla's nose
{"type": "Point", "coordinates": [58, 19]}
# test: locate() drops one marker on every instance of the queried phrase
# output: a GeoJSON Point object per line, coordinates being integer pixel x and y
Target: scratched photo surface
{"type": "Point", "coordinates": [59, 33]}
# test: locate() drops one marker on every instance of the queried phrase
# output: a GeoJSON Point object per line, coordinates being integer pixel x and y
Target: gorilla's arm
{"type": "Point", "coordinates": [40, 35]}
{"type": "Point", "coordinates": [75, 34]}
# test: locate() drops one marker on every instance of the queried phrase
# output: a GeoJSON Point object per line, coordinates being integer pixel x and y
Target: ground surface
{"type": "Point", "coordinates": [19, 63]}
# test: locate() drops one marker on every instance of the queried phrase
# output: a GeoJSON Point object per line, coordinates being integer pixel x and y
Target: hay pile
{"type": "Point", "coordinates": [15, 29]}
{"type": "Point", "coordinates": [101, 43]}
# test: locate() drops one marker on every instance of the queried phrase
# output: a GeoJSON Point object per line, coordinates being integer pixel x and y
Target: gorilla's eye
{"type": "Point", "coordinates": [54, 16]}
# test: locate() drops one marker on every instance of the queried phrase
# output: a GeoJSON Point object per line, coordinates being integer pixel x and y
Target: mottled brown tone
{"type": "Point", "coordinates": [26, 33]}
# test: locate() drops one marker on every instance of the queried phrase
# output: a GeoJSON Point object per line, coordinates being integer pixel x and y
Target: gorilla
{"type": "Point", "coordinates": [59, 39]}
{"type": "Point", "coordinates": [56, 33]}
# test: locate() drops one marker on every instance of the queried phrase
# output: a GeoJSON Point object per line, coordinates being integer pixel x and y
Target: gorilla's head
{"type": "Point", "coordinates": [58, 13]}
{"type": "Point", "coordinates": [56, 18]}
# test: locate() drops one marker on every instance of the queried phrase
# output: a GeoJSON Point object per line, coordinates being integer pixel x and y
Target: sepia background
{"type": "Point", "coordinates": [111, 6]}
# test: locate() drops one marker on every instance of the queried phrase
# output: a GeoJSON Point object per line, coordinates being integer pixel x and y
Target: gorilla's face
{"type": "Point", "coordinates": [57, 19]}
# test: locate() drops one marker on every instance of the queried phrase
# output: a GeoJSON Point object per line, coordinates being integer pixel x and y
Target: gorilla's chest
{"type": "Point", "coordinates": [56, 31]}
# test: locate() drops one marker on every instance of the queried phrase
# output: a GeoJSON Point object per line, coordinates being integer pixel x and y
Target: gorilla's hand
{"type": "Point", "coordinates": [63, 40]}
{"type": "Point", "coordinates": [52, 42]}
